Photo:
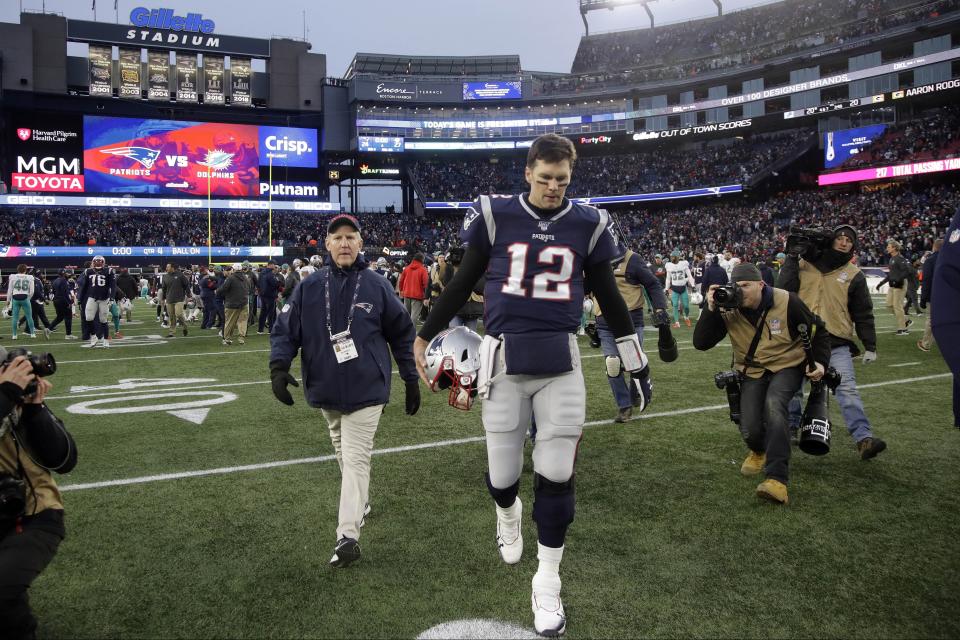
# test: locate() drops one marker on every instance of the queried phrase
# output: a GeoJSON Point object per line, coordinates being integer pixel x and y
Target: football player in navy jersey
{"type": "Point", "coordinates": [98, 288]}
{"type": "Point", "coordinates": [536, 250]}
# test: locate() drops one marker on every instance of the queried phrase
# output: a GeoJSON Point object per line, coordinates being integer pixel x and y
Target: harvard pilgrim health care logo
{"type": "Point", "coordinates": [24, 134]}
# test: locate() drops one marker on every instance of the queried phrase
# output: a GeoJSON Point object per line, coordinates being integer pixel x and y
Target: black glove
{"type": "Point", "coordinates": [666, 344]}
{"type": "Point", "coordinates": [412, 399]}
{"type": "Point", "coordinates": [279, 379]}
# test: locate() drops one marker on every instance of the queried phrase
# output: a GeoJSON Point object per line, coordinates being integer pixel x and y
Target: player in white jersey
{"type": "Point", "coordinates": [678, 278]}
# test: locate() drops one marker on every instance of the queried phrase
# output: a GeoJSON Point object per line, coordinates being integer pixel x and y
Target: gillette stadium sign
{"type": "Point", "coordinates": [164, 27]}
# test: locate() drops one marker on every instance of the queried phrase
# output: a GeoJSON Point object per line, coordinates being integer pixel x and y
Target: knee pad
{"type": "Point", "coordinates": [503, 497]}
{"type": "Point", "coordinates": [614, 369]}
{"type": "Point", "coordinates": [554, 502]}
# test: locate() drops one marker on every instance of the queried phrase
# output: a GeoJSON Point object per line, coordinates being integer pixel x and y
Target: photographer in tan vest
{"type": "Point", "coordinates": [769, 360]}
{"type": "Point", "coordinates": [836, 290]}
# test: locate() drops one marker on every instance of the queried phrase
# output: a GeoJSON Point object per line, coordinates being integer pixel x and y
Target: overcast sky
{"type": "Point", "coordinates": [544, 33]}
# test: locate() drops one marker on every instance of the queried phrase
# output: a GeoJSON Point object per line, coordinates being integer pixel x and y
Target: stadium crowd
{"type": "Point", "coordinates": [703, 164]}
{"type": "Point", "coordinates": [740, 38]}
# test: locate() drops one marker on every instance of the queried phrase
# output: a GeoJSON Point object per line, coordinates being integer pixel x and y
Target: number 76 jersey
{"type": "Point", "coordinates": [535, 272]}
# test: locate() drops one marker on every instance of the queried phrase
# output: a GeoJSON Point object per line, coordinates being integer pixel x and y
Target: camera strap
{"type": "Point", "coordinates": [748, 359]}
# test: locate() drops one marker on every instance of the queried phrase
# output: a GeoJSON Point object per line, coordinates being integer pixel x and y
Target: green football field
{"type": "Point", "coordinates": [202, 507]}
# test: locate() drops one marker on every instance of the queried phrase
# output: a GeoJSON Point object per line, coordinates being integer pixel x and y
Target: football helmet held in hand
{"type": "Point", "coordinates": [453, 362]}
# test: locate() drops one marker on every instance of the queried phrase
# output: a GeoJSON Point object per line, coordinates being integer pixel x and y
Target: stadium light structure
{"type": "Point", "coordinates": [587, 6]}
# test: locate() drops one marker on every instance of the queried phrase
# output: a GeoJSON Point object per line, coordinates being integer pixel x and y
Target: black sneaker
{"type": "Point", "coordinates": [870, 447]}
{"type": "Point", "coordinates": [184, 332]}
{"type": "Point", "coordinates": [909, 322]}
{"type": "Point", "coordinates": [346, 552]}
{"type": "Point", "coordinates": [902, 332]}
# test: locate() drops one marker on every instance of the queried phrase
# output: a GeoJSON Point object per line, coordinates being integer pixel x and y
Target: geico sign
{"type": "Point", "coordinates": [48, 165]}
{"type": "Point", "coordinates": [46, 200]}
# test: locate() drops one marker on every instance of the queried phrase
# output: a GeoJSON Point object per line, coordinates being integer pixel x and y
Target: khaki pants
{"type": "Point", "coordinates": [928, 340]}
{"type": "Point", "coordinates": [175, 312]}
{"type": "Point", "coordinates": [895, 299]}
{"type": "Point", "coordinates": [352, 438]}
{"type": "Point", "coordinates": [236, 322]}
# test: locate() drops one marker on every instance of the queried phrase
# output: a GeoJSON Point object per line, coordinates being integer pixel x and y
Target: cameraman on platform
{"type": "Point", "coordinates": [762, 323]}
{"type": "Point", "coordinates": [835, 289]}
{"type": "Point", "coordinates": [33, 442]}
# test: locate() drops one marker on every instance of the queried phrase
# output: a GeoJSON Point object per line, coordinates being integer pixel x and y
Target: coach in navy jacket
{"type": "Point", "coordinates": [346, 363]}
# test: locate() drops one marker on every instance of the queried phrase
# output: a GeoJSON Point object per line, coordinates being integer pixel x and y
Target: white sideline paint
{"type": "Point", "coordinates": [168, 355]}
{"type": "Point", "coordinates": [416, 447]}
{"type": "Point", "coordinates": [904, 364]}
{"type": "Point", "coordinates": [477, 629]}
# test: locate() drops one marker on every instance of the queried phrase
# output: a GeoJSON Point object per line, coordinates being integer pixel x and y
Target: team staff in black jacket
{"type": "Point", "coordinates": [836, 290]}
{"type": "Point", "coordinates": [897, 292]}
{"type": "Point", "coordinates": [926, 294]}
{"type": "Point", "coordinates": [344, 321]}
{"type": "Point", "coordinates": [33, 442]}
{"type": "Point", "coordinates": [62, 299]}
{"type": "Point", "coordinates": [774, 373]}
{"type": "Point", "coordinates": [268, 286]}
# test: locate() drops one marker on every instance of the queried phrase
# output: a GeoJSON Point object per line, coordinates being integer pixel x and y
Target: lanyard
{"type": "Point", "coordinates": [353, 304]}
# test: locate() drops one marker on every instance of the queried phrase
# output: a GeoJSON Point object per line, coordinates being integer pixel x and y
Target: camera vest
{"type": "Point", "coordinates": [632, 293]}
{"type": "Point", "coordinates": [827, 294]}
{"type": "Point", "coordinates": [776, 349]}
{"type": "Point", "coordinates": [45, 494]}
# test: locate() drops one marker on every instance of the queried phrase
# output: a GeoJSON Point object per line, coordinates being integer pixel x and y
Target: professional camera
{"type": "Point", "coordinates": [44, 365]}
{"type": "Point", "coordinates": [808, 243]}
{"type": "Point", "coordinates": [13, 499]}
{"type": "Point", "coordinates": [730, 382]}
{"type": "Point", "coordinates": [455, 256]}
{"type": "Point", "coordinates": [728, 296]}
{"type": "Point", "coordinates": [815, 426]}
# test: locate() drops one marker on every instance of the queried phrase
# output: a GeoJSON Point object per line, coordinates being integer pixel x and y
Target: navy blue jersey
{"type": "Point", "coordinates": [535, 273]}
{"type": "Point", "coordinates": [98, 284]}
{"type": "Point", "coordinates": [697, 271]}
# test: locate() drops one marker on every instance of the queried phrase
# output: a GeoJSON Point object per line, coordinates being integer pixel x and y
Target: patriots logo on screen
{"type": "Point", "coordinates": [143, 155]}
{"type": "Point", "coordinates": [24, 134]}
{"type": "Point", "coordinates": [217, 159]}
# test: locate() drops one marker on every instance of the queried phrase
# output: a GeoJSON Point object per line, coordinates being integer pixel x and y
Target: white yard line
{"type": "Point", "coordinates": [414, 447]}
{"type": "Point", "coordinates": [904, 364]}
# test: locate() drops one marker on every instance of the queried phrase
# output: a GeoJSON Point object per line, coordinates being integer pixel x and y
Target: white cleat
{"type": "Point", "coordinates": [548, 617]}
{"type": "Point", "coordinates": [105, 344]}
{"type": "Point", "coordinates": [509, 538]}
{"type": "Point", "coordinates": [94, 343]}
{"type": "Point", "coordinates": [70, 337]}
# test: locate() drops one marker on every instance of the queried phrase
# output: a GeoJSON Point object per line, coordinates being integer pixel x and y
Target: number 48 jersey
{"type": "Point", "coordinates": [535, 273]}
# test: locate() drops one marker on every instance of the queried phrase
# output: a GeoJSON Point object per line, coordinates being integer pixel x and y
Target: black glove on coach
{"type": "Point", "coordinates": [279, 379]}
{"type": "Point", "coordinates": [412, 397]}
{"type": "Point", "coordinates": [666, 343]}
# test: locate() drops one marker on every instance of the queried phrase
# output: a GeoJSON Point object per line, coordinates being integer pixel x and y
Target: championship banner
{"type": "Point", "coordinates": [158, 75]}
{"type": "Point", "coordinates": [240, 80]}
{"type": "Point", "coordinates": [187, 78]}
{"type": "Point", "coordinates": [101, 64]}
{"type": "Point", "coordinates": [130, 73]}
{"type": "Point", "coordinates": [212, 79]}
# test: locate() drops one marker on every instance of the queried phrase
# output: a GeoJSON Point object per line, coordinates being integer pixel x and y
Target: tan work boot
{"type": "Point", "coordinates": [753, 464]}
{"type": "Point", "coordinates": [773, 490]}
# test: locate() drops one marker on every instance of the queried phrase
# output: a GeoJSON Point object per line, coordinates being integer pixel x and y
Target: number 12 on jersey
{"type": "Point", "coordinates": [547, 285]}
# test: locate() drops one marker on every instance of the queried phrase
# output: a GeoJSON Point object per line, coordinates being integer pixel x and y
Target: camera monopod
{"type": "Point", "coordinates": [815, 425]}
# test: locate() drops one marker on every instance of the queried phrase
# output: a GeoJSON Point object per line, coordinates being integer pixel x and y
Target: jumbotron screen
{"type": "Point", "coordinates": [128, 155]}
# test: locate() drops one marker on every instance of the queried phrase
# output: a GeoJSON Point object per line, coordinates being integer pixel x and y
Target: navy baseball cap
{"type": "Point", "coordinates": [342, 219]}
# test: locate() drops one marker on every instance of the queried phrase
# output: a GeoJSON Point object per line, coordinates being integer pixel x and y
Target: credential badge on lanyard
{"type": "Point", "coordinates": [343, 346]}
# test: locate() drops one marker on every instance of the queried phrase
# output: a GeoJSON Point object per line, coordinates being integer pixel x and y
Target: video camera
{"type": "Point", "coordinates": [730, 382]}
{"type": "Point", "coordinates": [808, 244]}
{"type": "Point", "coordinates": [728, 296]}
{"type": "Point", "coordinates": [44, 365]}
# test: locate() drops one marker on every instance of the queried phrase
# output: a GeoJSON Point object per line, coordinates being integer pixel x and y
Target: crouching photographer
{"type": "Point", "coordinates": [836, 290]}
{"type": "Point", "coordinates": [764, 328]}
{"type": "Point", "coordinates": [33, 442]}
